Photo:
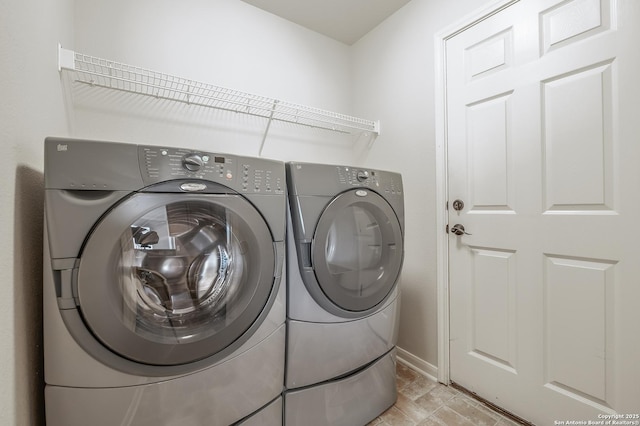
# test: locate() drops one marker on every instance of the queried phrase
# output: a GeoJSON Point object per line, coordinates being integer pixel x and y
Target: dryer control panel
{"type": "Point", "coordinates": [309, 179]}
{"type": "Point", "coordinates": [316, 185]}
{"type": "Point", "coordinates": [386, 182]}
{"type": "Point", "coordinates": [243, 174]}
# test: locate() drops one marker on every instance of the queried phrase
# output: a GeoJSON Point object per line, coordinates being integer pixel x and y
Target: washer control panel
{"type": "Point", "coordinates": [243, 174]}
{"type": "Point", "coordinates": [194, 162]}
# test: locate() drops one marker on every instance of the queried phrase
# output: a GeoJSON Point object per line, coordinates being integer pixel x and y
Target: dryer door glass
{"type": "Point", "coordinates": [189, 277]}
{"type": "Point", "coordinates": [357, 250]}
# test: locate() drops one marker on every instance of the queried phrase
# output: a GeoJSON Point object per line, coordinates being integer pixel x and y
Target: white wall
{"type": "Point", "coordinates": [394, 81]}
{"type": "Point", "coordinates": [31, 108]}
{"type": "Point", "coordinates": [222, 42]}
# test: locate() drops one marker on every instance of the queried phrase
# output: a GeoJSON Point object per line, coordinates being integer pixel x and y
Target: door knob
{"type": "Point", "coordinates": [458, 229]}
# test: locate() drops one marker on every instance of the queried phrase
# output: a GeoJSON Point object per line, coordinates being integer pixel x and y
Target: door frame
{"type": "Point", "coordinates": [442, 187]}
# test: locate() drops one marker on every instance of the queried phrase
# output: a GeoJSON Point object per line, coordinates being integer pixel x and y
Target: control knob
{"type": "Point", "coordinates": [362, 175]}
{"type": "Point", "coordinates": [192, 162]}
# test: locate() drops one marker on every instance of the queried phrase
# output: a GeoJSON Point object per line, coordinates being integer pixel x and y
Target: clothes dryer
{"type": "Point", "coordinates": [162, 296]}
{"type": "Point", "coordinates": [345, 251]}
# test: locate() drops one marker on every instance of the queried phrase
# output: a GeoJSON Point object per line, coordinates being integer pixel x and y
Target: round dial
{"type": "Point", "coordinates": [362, 175]}
{"type": "Point", "coordinates": [192, 162]}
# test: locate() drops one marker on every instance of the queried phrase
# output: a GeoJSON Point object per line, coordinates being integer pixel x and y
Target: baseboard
{"type": "Point", "coordinates": [417, 364]}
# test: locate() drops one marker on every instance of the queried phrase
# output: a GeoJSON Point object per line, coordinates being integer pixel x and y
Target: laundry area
{"type": "Point", "coordinates": [249, 212]}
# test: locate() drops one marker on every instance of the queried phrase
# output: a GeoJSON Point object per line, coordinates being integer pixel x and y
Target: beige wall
{"type": "Point", "coordinates": [388, 75]}
{"type": "Point", "coordinates": [31, 108]}
{"type": "Point", "coordinates": [228, 43]}
{"type": "Point", "coordinates": [394, 81]}
{"type": "Point", "coordinates": [224, 42]}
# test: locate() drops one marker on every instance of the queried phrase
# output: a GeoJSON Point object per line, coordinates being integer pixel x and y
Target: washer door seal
{"type": "Point", "coordinates": [175, 296]}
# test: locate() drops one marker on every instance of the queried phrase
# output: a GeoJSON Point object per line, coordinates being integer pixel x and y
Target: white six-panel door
{"type": "Point", "coordinates": [543, 148]}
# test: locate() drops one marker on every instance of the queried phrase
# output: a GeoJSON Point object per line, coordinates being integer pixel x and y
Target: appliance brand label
{"type": "Point", "coordinates": [361, 193]}
{"type": "Point", "coordinates": [193, 186]}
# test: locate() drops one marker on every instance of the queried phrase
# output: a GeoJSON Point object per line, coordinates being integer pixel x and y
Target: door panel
{"type": "Point", "coordinates": [578, 182]}
{"type": "Point", "coordinates": [576, 335]}
{"type": "Point", "coordinates": [570, 21]}
{"type": "Point", "coordinates": [542, 148]}
{"type": "Point", "coordinates": [493, 306]}
{"type": "Point", "coordinates": [488, 156]}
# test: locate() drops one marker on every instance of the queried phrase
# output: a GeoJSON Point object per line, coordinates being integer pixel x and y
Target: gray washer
{"type": "Point", "coordinates": [162, 269]}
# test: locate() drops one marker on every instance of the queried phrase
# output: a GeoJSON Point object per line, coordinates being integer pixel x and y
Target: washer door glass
{"type": "Point", "coordinates": [186, 277]}
{"type": "Point", "coordinates": [357, 250]}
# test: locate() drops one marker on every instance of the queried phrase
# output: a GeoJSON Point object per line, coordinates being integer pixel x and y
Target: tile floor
{"type": "Point", "coordinates": [424, 402]}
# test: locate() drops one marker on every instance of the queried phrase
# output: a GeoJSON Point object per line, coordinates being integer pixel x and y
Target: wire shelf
{"type": "Point", "coordinates": [128, 78]}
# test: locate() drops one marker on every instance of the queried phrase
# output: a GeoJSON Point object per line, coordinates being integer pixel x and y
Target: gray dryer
{"type": "Point", "coordinates": [345, 251]}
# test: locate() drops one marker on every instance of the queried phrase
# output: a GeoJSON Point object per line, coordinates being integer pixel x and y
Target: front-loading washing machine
{"type": "Point", "coordinates": [344, 257]}
{"type": "Point", "coordinates": [163, 302]}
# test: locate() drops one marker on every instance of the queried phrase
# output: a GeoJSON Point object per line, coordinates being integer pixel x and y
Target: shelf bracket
{"type": "Point", "coordinates": [266, 130]}
{"type": "Point", "coordinates": [66, 59]}
{"type": "Point", "coordinates": [374, 135]}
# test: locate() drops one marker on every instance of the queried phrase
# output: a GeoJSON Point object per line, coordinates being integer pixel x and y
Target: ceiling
{"type": "Point", "coordinates": [343, 20]}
